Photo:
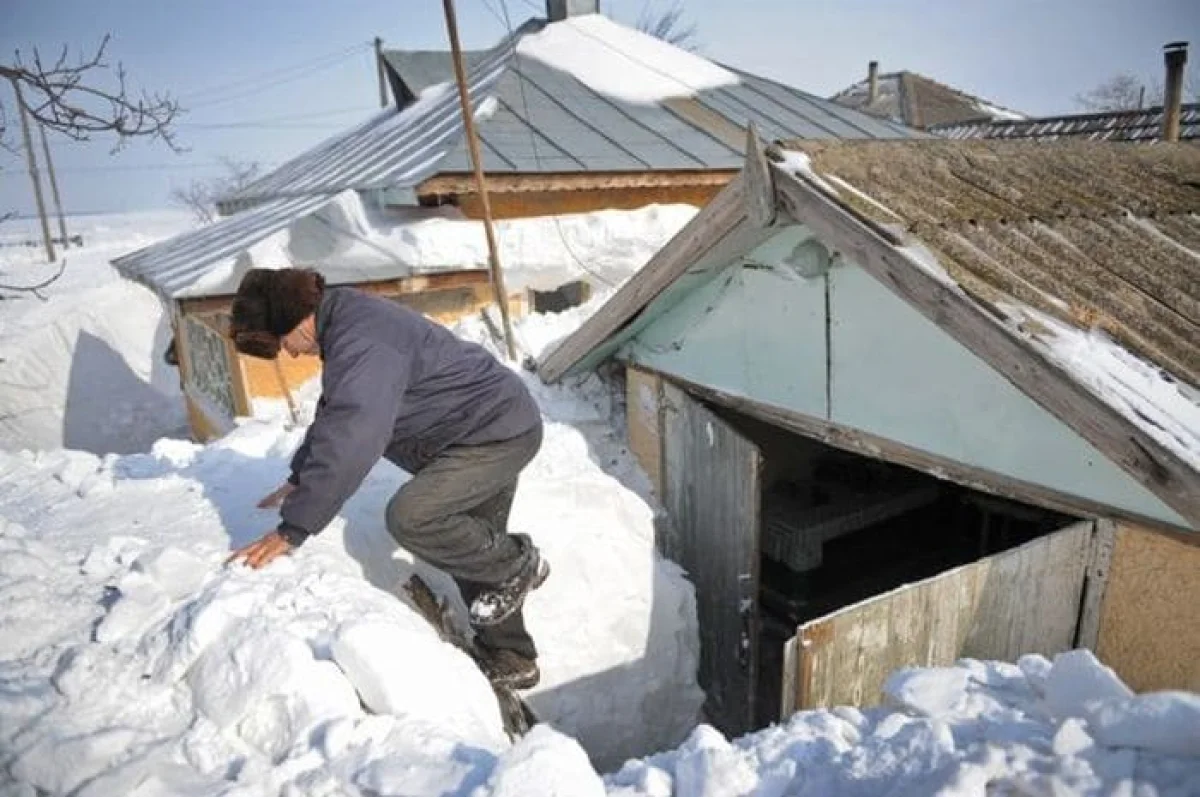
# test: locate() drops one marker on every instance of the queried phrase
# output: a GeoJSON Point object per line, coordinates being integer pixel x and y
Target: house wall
{"type": "Point", "coordinates": [643, 403]}
{"type": "Point", "coordinates": [220, 384]}
{"type": "Point", "coordinates": [525, 204]}
{"type": "Point", "coordinates": [1150, 614]}
{"type": "Point", "coordinates": [841, 347]}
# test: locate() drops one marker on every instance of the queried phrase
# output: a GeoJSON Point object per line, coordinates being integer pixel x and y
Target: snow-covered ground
{"type": "Point", "coordinates": [134, 662]}
{"type": "Point", "coordinates": [82, 367]}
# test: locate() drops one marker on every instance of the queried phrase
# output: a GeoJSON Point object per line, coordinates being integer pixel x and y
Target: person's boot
{"type": "Point", "coordinates": [496, 604]}
{"type": "Point", "coordinates": [508, 668]}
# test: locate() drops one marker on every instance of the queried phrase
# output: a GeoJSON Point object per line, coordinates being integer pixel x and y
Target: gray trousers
{"type": "Point", "coordinates": [453, 514]}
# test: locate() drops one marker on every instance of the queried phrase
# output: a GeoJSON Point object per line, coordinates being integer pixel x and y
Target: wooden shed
{"type": "Point", "coordinates": [906, 402]}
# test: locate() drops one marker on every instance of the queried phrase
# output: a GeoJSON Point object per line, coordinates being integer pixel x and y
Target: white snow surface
{"type": "Point", "coordinates": [622, 63]}
{"type": "Point", "coordinates": [222, 680]}
{"type": "Point", "coordinates": [1166, 409]}
{"type": "Point", "coordinates": [1067, 727]}
{"type": "Point", "coordinates": [349, 241]}
{"type": "Point", "coordinates": [83, 368]}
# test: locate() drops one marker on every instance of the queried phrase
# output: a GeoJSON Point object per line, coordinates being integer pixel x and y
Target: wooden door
{"type": "Point", "coordinates": [711, 490]}
{"type": "Point", "coordinates": [1025, 600]}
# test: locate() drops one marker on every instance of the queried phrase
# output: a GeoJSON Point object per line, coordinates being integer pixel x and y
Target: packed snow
{"type": "Point", "coordinates": [1166, 409]}
{"type": "Point", "coordinates": [648, 70]}
{"type": "Point", "coordinates": [316, 670]}
{"type": "Point", "coordinates": [352, 242]}
{"type": "Point", "coordinates": [82, 360]}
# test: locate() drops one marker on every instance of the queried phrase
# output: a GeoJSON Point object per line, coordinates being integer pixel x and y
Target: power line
{"type": "Point", "coordinates": [255, 79]}
{"type": "Point", "coordinates": [280, 121]}
{"type": "Point", "coordinates": [537, 158]}
{"type": "Point", "coordinates": [147, 167]}
{"type": "Point", "coordinates": [260, 87]}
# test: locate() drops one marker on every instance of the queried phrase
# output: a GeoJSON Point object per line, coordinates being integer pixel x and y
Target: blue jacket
{"type": "Point", "coordinates": [394, 384]}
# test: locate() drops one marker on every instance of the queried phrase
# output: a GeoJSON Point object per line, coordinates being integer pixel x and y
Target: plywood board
{"type": "Point", "coordinates": [643, 410]}
{"type": "Point", "coordinates": [712, 493]}
{"type": "Point", "coordinates": [954, 404]}
{"type": "Point", "coordinates": [1021, 601]}
{"type": "Point", "coordinates": [1150, 618]}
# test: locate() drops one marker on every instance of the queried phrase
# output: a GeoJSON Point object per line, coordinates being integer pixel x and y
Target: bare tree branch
{"type": "Point", "coordinates": [668, 25]}
{"type": "Point", "coordinates": [62, 265]}
{"type": "Point", "coordinates": [200, 196]}
{"type": "Point", "coordinates": [75, 100]}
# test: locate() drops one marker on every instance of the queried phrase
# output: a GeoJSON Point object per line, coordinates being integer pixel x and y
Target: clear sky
{"type": "Point", "coordinates": [264, 79]}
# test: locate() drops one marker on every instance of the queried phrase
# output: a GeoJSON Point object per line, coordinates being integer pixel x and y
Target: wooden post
{"type": "Point", "coordinates": [62, 221]}
{"type": "Point", "coordinates": [498, 291]}
{"type": "Point", "coordinates": [383, 97]}
{"type": "Point", "coordinates": [287, 391]}
{"type": "Point", "coordinates": [31, 159]}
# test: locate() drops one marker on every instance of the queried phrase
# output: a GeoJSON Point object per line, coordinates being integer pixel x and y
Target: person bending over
{"type": "Point", "coordinates": [395, 384]}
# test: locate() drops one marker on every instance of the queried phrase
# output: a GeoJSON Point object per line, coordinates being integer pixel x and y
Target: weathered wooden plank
{"type": "Point", "coordinates": [1159, 469]}
{"type": "Point", "coordinates": [760, 187]}
{"type": "Point", "coordinates": [712, 494]}
{"type": "Point", "coordinates": [1104, 537]}
{"type": "Point", "coordinates": [1021, 601]}
{"type": "Point", "coordinates": [716, 220]}
{"type": "Point", "coordinates": [537, 183]}
{"type": "Point", "coordinates": [876, 447]}
{"type": "Point", "coordinates": [643, 412]}
{"type": "Point", "coordinates": [1150, 620]}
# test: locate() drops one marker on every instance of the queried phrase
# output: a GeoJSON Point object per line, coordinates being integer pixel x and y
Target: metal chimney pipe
{"type": "Point", "coordinates": [872, 82]}
{"type": "Point", "coordinates": [1175, 58]}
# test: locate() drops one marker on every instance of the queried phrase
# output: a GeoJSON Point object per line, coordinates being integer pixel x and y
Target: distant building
{"type": "Point", "coordinates": [1143, 125]}
{"type": "Point", "coordinates": [917, 101]}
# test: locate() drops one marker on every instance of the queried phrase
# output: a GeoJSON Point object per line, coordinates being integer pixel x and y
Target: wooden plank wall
{"type": "Point", "coordinates": [712, 495]}
{"type": "Point", "coordinates": [1021, 601]}
{"type": "Point", "coordinates": [643, 409]}
{"type": "Point", "coordinates": [1150, 614]}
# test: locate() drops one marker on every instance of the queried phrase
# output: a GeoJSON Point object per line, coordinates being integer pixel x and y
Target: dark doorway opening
{"type": "Point", "coordinates": [838, 528]}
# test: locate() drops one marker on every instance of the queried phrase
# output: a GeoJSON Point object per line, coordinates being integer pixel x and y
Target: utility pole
{"type": "Point", "coordinates": [31, 159]}
{"type": "Point", "coordinates": [498, 291]}
{"type": "Point", "coordinates": [62, 221]}
{"type": "Point", "coordinates": [383, 97]}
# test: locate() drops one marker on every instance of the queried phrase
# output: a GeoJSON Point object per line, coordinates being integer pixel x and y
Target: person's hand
{"type": "Point", "coordinates": [276, 498]}
{"type": "Point", "coordinates": [262, 551]}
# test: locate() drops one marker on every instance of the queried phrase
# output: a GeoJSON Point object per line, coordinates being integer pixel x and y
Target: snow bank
{"type": "Point", "coordinates": [313, 675]}
{"type": "Point", "coordinates": [349, 242]}
{"type": "Point", "coordinates": [83, 368]}
{"type": "Point", "coordinates": [651, 70]}
{"type": "Point", "coordinates": [1035, 727]}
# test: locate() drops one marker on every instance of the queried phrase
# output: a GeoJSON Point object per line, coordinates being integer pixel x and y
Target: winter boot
{"type": "Point", "coordinates": [496, 604]}
{"type": "Point", "coordinates": [507, 668]}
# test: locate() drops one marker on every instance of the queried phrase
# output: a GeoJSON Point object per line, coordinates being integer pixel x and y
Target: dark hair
{"type": "Point", "coordinates": [271, 303]}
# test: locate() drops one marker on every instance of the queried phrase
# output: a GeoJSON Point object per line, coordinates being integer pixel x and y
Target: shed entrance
{"type": "Point", "coordinates": [818, 571]}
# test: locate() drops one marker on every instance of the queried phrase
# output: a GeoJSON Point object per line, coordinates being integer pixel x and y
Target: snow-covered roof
{"type": "Point", "coordinates": [581, 96]}
{"type": "Point", "coordinates": [919, 101]}
{"type": "Point", "coordinates": [1139, 125]}
{"type": "Point", "coordinates": [585, 94]}
{"type": "Point", "coordinates": [1073, 268]}
{"type": "Point", "coordinates": [352, 243]}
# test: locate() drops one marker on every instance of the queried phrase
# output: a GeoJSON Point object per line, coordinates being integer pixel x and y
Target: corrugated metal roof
{"type": "Point", "coordinates": [1097, 235]}
{"type": "Point", "coordinates": [1144, 125]}
{"type": "Point", "coordinates": [173, 266]}
{"type": "Point", "coordinates": [546, 120]}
